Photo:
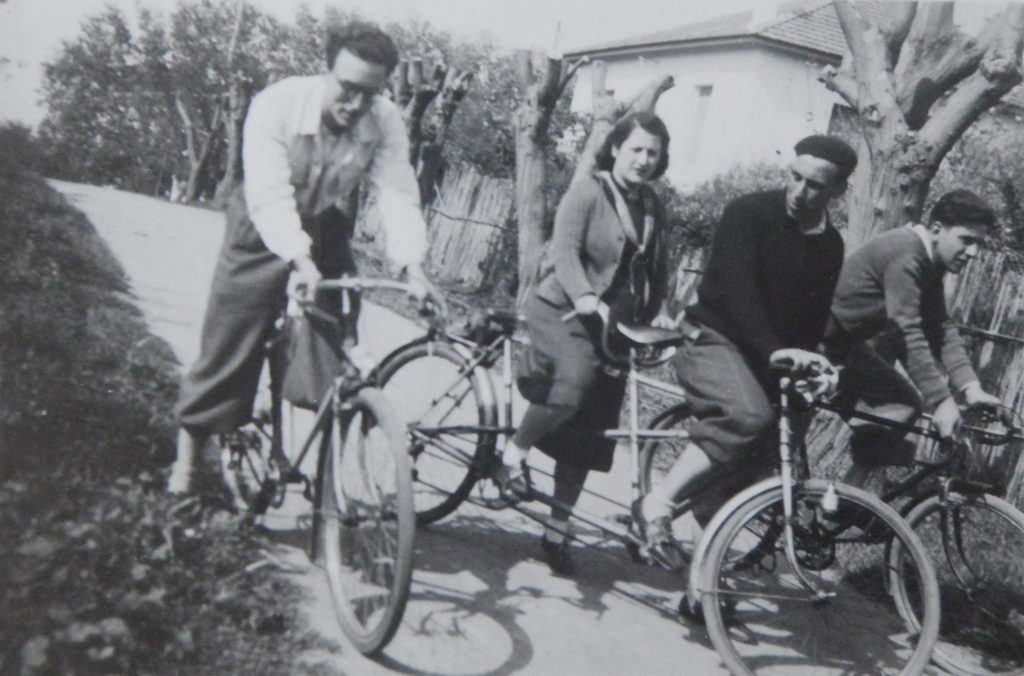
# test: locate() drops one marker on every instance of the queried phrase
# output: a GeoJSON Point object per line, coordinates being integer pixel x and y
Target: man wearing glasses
{"type": "Point", "coordinates": [308, 144]}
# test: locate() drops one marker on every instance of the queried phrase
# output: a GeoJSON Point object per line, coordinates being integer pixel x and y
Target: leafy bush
{"type": "Point", "coordinates": [19, 151]}
{"type": "Point", "coordinates": [113, 578]}
{"type": "Point", "coordinates": [83, 382]}
{"type": "Point", "coordinates": [102, 572]}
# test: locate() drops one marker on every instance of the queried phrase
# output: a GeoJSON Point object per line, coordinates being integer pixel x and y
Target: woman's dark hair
{"type": "Point", "coordinates": [364, 40]}
{"type": "Point", "coordinates": [963, 207]}
{"type": "Point", "coordinates": [650, 123]}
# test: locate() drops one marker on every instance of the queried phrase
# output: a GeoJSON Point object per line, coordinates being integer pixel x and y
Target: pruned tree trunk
{"type": "Point", "coordinates": [916, 83]}
{"type": "Point", "coordinates": [532, 119]}
{"type": "Point", "coordinates": [445, 88]}
{"type": "Point", "coordinates": [199, 151]}
{"type": "Point", "coordinates": [238, 101]}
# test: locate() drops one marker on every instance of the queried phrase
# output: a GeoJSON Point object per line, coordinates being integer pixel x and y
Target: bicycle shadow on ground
{"type": "Point", "coordinates": [477, 581]}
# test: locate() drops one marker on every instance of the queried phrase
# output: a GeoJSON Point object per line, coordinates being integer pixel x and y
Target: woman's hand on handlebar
{"type": "Point", "coordinates": [663, 321]}
{"type": "Point", "coordinates": [589, 304]}
{"type": "Point", "coordinates": [302, 282]}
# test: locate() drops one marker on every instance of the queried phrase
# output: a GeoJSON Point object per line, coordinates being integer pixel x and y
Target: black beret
{"type": "Point", "coordinates": [831, 149]}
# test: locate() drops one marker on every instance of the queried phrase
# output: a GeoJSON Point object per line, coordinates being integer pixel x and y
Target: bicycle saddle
{"type": "Point", "coordinates": [650, 335]}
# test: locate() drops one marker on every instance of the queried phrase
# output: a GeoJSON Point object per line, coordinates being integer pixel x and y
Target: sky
{"type": "Point", "coordinates": [31, 31]}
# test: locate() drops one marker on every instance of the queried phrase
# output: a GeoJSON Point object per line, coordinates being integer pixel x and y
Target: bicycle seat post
{"type": "Point", "coordinates": [634, 422]}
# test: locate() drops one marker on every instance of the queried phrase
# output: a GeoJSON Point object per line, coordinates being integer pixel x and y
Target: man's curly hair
{"type": "Point", "coordinates": [365, 40]}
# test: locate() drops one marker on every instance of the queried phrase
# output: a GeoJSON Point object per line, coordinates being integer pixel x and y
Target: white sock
{"type": "Point", "coordinates": [513, 456]}
{"type": "Point", "coordinates": [555, 530]}
{"type": "Point", "coordinates": [655, 505]}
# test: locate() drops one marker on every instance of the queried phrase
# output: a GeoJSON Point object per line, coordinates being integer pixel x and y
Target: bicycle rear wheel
{"type": "Point", "coordinates": [762, 620]}
{"type": "Point", "coordinates": [367, 519]}
{"type": "Point", "coordinates": [441, 400]}
{"type": "Point", "coordinates": [977, 545]}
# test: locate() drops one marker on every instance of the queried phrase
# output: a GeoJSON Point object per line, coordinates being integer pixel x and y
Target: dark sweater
{"type": "Point", "coordinates": [891, 285]}
{"type": "Point", "coordinates": [767, 286]}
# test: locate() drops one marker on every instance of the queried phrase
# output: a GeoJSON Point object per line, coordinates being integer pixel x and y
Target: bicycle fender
{"type": "Point", "coordinates": [426, 338]}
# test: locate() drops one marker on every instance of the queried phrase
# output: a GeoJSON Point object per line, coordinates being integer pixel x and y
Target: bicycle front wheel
{"type": "Point", "coordinates": [367, 519]}
{"type": "Point", "coordinates": [828, 608]}
{"type": "Point", "coordinates": [446, 406]}
{"type": "Point", "coordinates": [977, 545]}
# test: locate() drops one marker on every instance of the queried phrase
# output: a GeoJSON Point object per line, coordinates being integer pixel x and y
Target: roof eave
{"type": "Point", "coordinates": [722, 41]}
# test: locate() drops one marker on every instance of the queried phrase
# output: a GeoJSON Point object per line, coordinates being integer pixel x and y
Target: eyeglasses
{"type": "Point", "coordinates": [350, 91]}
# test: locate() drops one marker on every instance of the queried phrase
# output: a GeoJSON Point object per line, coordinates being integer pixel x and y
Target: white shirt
{"type": "Point", "coordinates": [922, 233]}
{"type": "Point", "coordinates": [285, 117]}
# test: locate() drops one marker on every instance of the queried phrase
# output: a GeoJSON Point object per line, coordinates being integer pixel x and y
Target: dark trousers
{"type": "Point", "coordinates": [246, 298]}
{"type": "Point", "coordinates": [871, 384]}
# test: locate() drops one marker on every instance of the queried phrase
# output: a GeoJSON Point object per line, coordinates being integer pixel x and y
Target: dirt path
{"type": "Point", "coordinates": [481, 603]}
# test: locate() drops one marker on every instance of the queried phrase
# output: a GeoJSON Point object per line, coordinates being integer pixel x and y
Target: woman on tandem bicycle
{"type": "Point", "coordinates": [606, 258]}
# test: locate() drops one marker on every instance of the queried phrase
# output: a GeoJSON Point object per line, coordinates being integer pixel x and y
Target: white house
{"type": "Point", "coordinates": [746, 86]}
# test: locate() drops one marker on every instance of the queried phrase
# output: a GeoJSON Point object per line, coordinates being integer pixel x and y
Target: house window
{"type": "Point", "coordinates": [696, 130]}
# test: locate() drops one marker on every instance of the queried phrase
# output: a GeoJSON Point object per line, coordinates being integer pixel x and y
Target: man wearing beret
{"type": "Point", "coordinates": [766, 290]}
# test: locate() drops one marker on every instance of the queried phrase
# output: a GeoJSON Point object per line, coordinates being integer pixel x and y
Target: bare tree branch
{"type": "Point", "coordinates": [648, 97]}
{"type": "Point", "coordinates": [998, 72]}
{"type": "Point", "coordinates": [570, 70]}
{"type": "Point", "coordinates": [899, 16]}
{"type": "Point", "coordinates": [865, 79]}
{"type": "Point", "coordinates": [524, 70]}
{"type": "Point", "coordinates": [842, 83]}
{"type": "Point", "coordinates": [936, 57]}
{"type": "Point", "coordinates": [548, 91]}
{"type": "Point", "coordinates": [854, 27]}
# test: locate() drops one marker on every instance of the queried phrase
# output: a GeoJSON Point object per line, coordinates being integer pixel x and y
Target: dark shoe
{"type": "Point", "coordinates": [659, 545]}
{"type": "Point", "coordinates": [852, 516]}
{"type": "Point", "coordinates": [514, 487]}
{"type": "Point", "coordinates": [558, 558]}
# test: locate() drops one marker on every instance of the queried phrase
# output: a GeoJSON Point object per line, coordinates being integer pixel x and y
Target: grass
{"type": "Point", "coordinates": [104, 572]}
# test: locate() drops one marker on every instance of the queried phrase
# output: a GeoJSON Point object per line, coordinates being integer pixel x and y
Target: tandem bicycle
{"type": "Point", "coordinates": [792, 575]}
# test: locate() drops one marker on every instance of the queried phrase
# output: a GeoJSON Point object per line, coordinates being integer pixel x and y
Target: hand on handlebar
{"type": "Point", "coordinates": [302, 282]}
{"type": "Point", "coordinates": [946, 418]}
{"type": "Point", "coordinates": [423, 289]}
{"type": "Point", "coordinates": [590, 304]}
{"type": "Point", "coordinates": [664, 322]}
{"type": "Point", "coordinates": [975, 397]}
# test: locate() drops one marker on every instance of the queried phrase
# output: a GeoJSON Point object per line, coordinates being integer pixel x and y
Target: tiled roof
{"type": "Point", "coordinates": [809, 25]}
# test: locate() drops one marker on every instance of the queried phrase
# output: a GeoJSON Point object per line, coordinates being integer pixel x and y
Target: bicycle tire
{"type": "Point", "coordinates": [445, 465]}
{"type": "Point", "coordinates": [367, 519]}
{"type": "Point", "coordinates": [751, 610]}
{"type": "Point", "coordinates": [657, 455]}
{"type": "Point", "coordinates": [977, 545]}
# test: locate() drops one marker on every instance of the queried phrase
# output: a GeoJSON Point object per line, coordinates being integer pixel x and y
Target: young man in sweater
{"type": "Point", "coordinates": [890, 306]}
{"type": "Point", "coordinates": [766, 290]}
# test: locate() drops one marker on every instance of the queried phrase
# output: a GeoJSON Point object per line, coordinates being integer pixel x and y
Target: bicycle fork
{"type": "Point", "coordinates": [788, 484]}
